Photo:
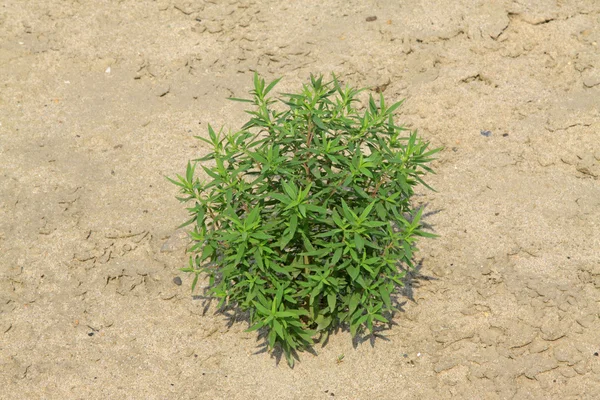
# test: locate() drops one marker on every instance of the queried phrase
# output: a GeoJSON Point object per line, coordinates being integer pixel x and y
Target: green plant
{"type": "Point", "coordinates": [306, 222]}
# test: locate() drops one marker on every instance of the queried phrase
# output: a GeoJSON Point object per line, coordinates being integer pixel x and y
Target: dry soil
{"type": "Point", "coordinates": [101, 99]}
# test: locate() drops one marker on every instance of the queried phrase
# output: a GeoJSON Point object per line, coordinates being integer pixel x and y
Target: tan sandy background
{"type": "Point", "coordinates": [100, 99]}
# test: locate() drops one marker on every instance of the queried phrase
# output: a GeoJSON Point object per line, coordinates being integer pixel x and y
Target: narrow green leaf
{"type": "Point", "coordinates": [259, 259]}
{"type": "Point", "coordinates": [258, 157]}
{"type": "Point", "coordinates": [331, 300]}
{"type": "Point", "coordinates": [419, 232]}
{"type": "Point", "coordinates": [211, 173]}
{"type": "Point", "coordinates": [253, 216]}
{"type": "Point", "coordinates": [359, 242]}
{"type": "Point", "coordinates": [284, 199]}
{"type": "Point", "coordinates": [189, 173]}
{"type": "Point", "coordinates": [338, 221]}
{"type": "Point", "coordinates": [417, 218]}
{"type": "Point", "coordinates": [286, 314]}
{"type": "Point", "coordinates": [272, 337]}
{"type": "Point", "coordinates": [353, 271]}
{"type": "Point", "coordinates": [290, 359]}
{"type": "Point", "coordinates": [385, 296]}
{"type": "Point", "coordinates": [367, 210]}
{"type": "Point", "coordinates": [380, 318]}
{"type": "Point", "coordinates": [279, 329]}
{"type": "Point", "coordinates": [323, 322]}
{"type": "Point", "coordinates": [256, 326]}
{"type": "Point", "coordinates": [261, 236]}
{"type": "Point", "coordinates": [394, 106]}
{"type": "Point", "coordinates": [354, 300]}
{"type": "Point", "coordinates": [307, 244]}
{"type": "Point", "coordinates": [175, 182]}
{"type": "Point", "coordinates": [312, 207]}
{"type": "Point", "coordinates": [186, 223]}
{"type": "Point", "coordinates": [278, 297]}
{"type": "Point", "coordinates": [302, 210]}
{"type": "Point", "coordinates": [207, 251]}
{"type": "Point", "coordinates": [271, 86]}
{"type": "Point", "coordinates": [319, 123]}
{"type": "Point", "coordinates": [262, 309]}
{"type": "Point", "coordinates": [336, 256]}
{"type": "Point", "coordinates": [348, 213]}
{"type": "Point", "coordinates": [290, 190]}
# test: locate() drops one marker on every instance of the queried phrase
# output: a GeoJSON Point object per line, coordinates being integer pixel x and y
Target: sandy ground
{"type": "Point", "coordinates": [100, 99]}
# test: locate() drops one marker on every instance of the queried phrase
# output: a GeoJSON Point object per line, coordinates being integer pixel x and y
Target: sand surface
{"type": "Point", "coordinates": [99, 100]}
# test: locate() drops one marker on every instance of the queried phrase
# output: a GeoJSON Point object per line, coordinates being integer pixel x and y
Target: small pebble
{"type": "Point", "coordinates": [91, 334]}
{"type": "Point", "coordinates": [486, 133]}
{"type": "Point", "coordinates": [177, 281]}
{"type": "Point", "coordinates": [371, 19]}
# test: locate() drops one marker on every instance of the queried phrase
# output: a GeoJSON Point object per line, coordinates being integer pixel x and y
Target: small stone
{"type": "Point", "coordinates": [177, 281]}
{"type": "Point", "coordinates": [371, 18]}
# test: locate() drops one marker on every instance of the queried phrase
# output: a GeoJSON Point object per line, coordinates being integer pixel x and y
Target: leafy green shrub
{"type": "Point", "coordinates": [307, 222]}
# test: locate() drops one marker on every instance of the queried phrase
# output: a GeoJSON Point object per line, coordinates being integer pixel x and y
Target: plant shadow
{"type": "Point", "coordinates": [413, 280]}
{"type": "Point", "coordinates": [233, 315]}
{"type": "Point", "coordinates": [425, 215]}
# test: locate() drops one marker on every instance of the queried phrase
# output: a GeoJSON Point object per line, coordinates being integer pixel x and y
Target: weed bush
{"type": "Point", "coordinates": [306, 221]}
